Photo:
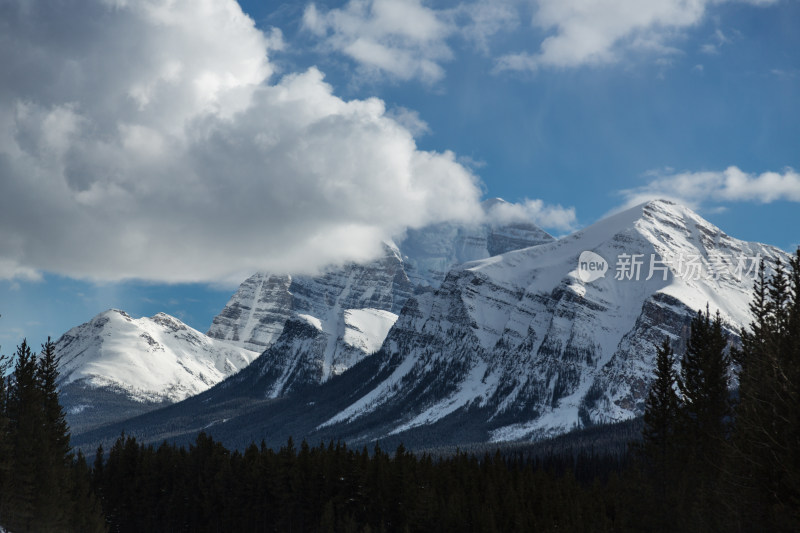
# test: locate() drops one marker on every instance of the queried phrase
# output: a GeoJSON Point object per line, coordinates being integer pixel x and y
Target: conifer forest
{"type": "Point", "coordinates": [718, 450]}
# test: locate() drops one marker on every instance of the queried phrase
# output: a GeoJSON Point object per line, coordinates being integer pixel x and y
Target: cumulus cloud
{"type": "Point", "coordinates": [478, 22]}
{"type": "Point", "coordinates": [408, 39]}
{"type": "Point", "coordinates": [410, 119]}
{"type": "Point", "coordinates": [150, 140]}
{"type": "Point", "coordinates": [729, 185]}
{"type": "Point", "coordinates": [591, 32]}
{"type": "Point", "coordinates": [548, 216]}
{"type": "Point", "coordinates": [412, 39]}
{"type": "Point", "coordinates": [401, 38]}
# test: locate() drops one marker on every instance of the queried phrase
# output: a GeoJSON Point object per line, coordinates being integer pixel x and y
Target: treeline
{"type": "Point", "coordinates": [335, 488]}
{"type": "Point", "coordinates": [707, 460]}
{"type": "Point", "coordinates": [712, 461]}
{"type": "Point", "coordinates": [44, 487]}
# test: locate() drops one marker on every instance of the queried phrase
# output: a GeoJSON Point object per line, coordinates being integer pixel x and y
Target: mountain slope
{"type": "Point", "coordinates": [524, 338]}
{"type": "Point", "coordinates": [314, 327]}
{"type": "Point", "coordinates": [118, 362]}
{"type": "Point", "coordinates": [516, 346]}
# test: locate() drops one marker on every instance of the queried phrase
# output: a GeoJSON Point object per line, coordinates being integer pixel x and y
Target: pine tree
{"type": "Point", "coordinates": [703, 383]}
{"type": "Point", "coordinates": [658, 446]}
{"type": "Point", "coordinates": [5, 434]}
{"type": "Point", "coordinates": [764, 465]}
{"type": "Point", "coordinates": [58, 430]}
{"type": "Point", "coordinates": [661, 405]}
{"type": "Point", "coordinates": [54, 478]}
{"type": "Point", "coordinates": [26, 424]}
{"type": "Point", "coordinates": [85, 513]}
{"type": "Point", "coordinates": [42, 490]}
{"type": "Point", "coordinates": [703, 422]}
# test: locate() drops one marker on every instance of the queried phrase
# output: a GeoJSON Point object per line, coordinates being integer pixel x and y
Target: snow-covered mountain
{"type": "Point", "coordinates": [429, 253]}
{"type": "Point", "coordinates": [254, 317]}
{"type": "Point", "coordinates": [522, 345]}
{"type": "Point", "coordinates": [532, 349]}
{"type": "Point", "coordinates": [315, 327]}
{"type": "Point", "coordinates": [118, 362]}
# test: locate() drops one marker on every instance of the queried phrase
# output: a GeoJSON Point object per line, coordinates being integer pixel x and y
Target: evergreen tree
{"type": "Point", "coordinates": [41, 489]}
{"type": "Point", "coordinates": [5, 434]}
{"type": "Point", "coordinates": [57, 428]}
{"type": "Point", "coordinates": [85, 513]}
{"type": "Point", "coordinates": [658, 446]}
{"type": "Point", "coordinates": [703, 422]}
{"type": "Point", "coordinates": [53, 469]}
{"type": "Point", "coordinates": [703, 383]}
{"type": "Point", "coordinates": [26, 424]}
{"type": "Point", "coordinates": [661, 406]}
{"type": "Point", "coordinates": [763, 472]}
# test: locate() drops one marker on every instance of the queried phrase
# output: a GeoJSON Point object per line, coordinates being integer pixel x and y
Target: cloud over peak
{"type": "Point", "coordinates": [148, 140]}
{"type": "Point", "coordinates": [729, 185]}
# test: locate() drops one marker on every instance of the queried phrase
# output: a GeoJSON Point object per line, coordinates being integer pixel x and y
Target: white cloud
{"type": "Point", "coordinates": [548, 216]}
{"type": "Point", "coordinates": [592, 32]}
{"type": "Point", "coordinates": [410, 120]}
{"type": "Point", "coordinates": [718, 39]}
{"type": "Point", "coordinates": [786, 75]}
{"type": "Point", "coordinates": [478, 22]}
{"type": "Point", "coordinates": [729, 185]}
{"type": "Point", "coordinates": [401, 38]}
{"type": "Point", "coordinates": [409, 39]}
{"type": "Point", "coordinates": [149, 140]}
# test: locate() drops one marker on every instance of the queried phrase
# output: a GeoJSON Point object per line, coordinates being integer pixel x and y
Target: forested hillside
{"type": "Point", "coordinates": [707, 460]}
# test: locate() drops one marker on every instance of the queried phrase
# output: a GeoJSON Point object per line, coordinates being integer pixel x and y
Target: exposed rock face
{"type": "Point", "coordinates": [517, 346]}
{"type": "Point", "coordinates": [254, 316]}
{"type": "Point", "coordinates": [314, 327]}
{"type": "Point", "coordinates": [533, 349]}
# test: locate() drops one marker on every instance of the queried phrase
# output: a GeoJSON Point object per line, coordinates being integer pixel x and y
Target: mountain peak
{"type": "Point", "coordinates": [169, 321]}
{"type": "Point", "coordinates": [113, 312]}
{"type": "Point", "coordinates": [116, 350]}
{"type": "Point", "coordinates": [654, 219]}
{"type": "Point", "coordinates": [659, 202]}
{"type": "Point", "coordinates": [541, 346]}
{"type": "Point", "coordinates": [663, 209]}
{"type": "Point", "coordinates": [491, 202]}
{"type": "Point", "coordinates": [660, 205]}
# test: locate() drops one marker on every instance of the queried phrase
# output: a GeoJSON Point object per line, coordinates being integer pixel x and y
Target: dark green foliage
{"type": "Point", "coordinates": [729, 466]}
{"type": "Point", "coordinates": [26, 439]}
{"type": "Point", "coordinates": [54, 456]}
{"type": "Point", "coordinates": [659, 452]}
{"type": "Point", "coordinates": [661, 406]}
{"type": "Point", "coordinates": [42, 488]}
{"type": "Point", "coordinates": [764, 470]}
{"type": "Point", "coordinates": [684, 433]}
{"type": "Point", "coordinates": [5, 435]}
{"type": "Point", "coordinates": [706, 460]}
{"type": "Point", "coordinates": [335, 488]}
{"type": "Point", "coordinates": [703, 422]}
{"type": "Point", "coordinates": [703, 383]}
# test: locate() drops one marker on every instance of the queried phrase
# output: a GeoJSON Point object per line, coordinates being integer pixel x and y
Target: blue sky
{"type": "Point", "coordinates": [156, 155]}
